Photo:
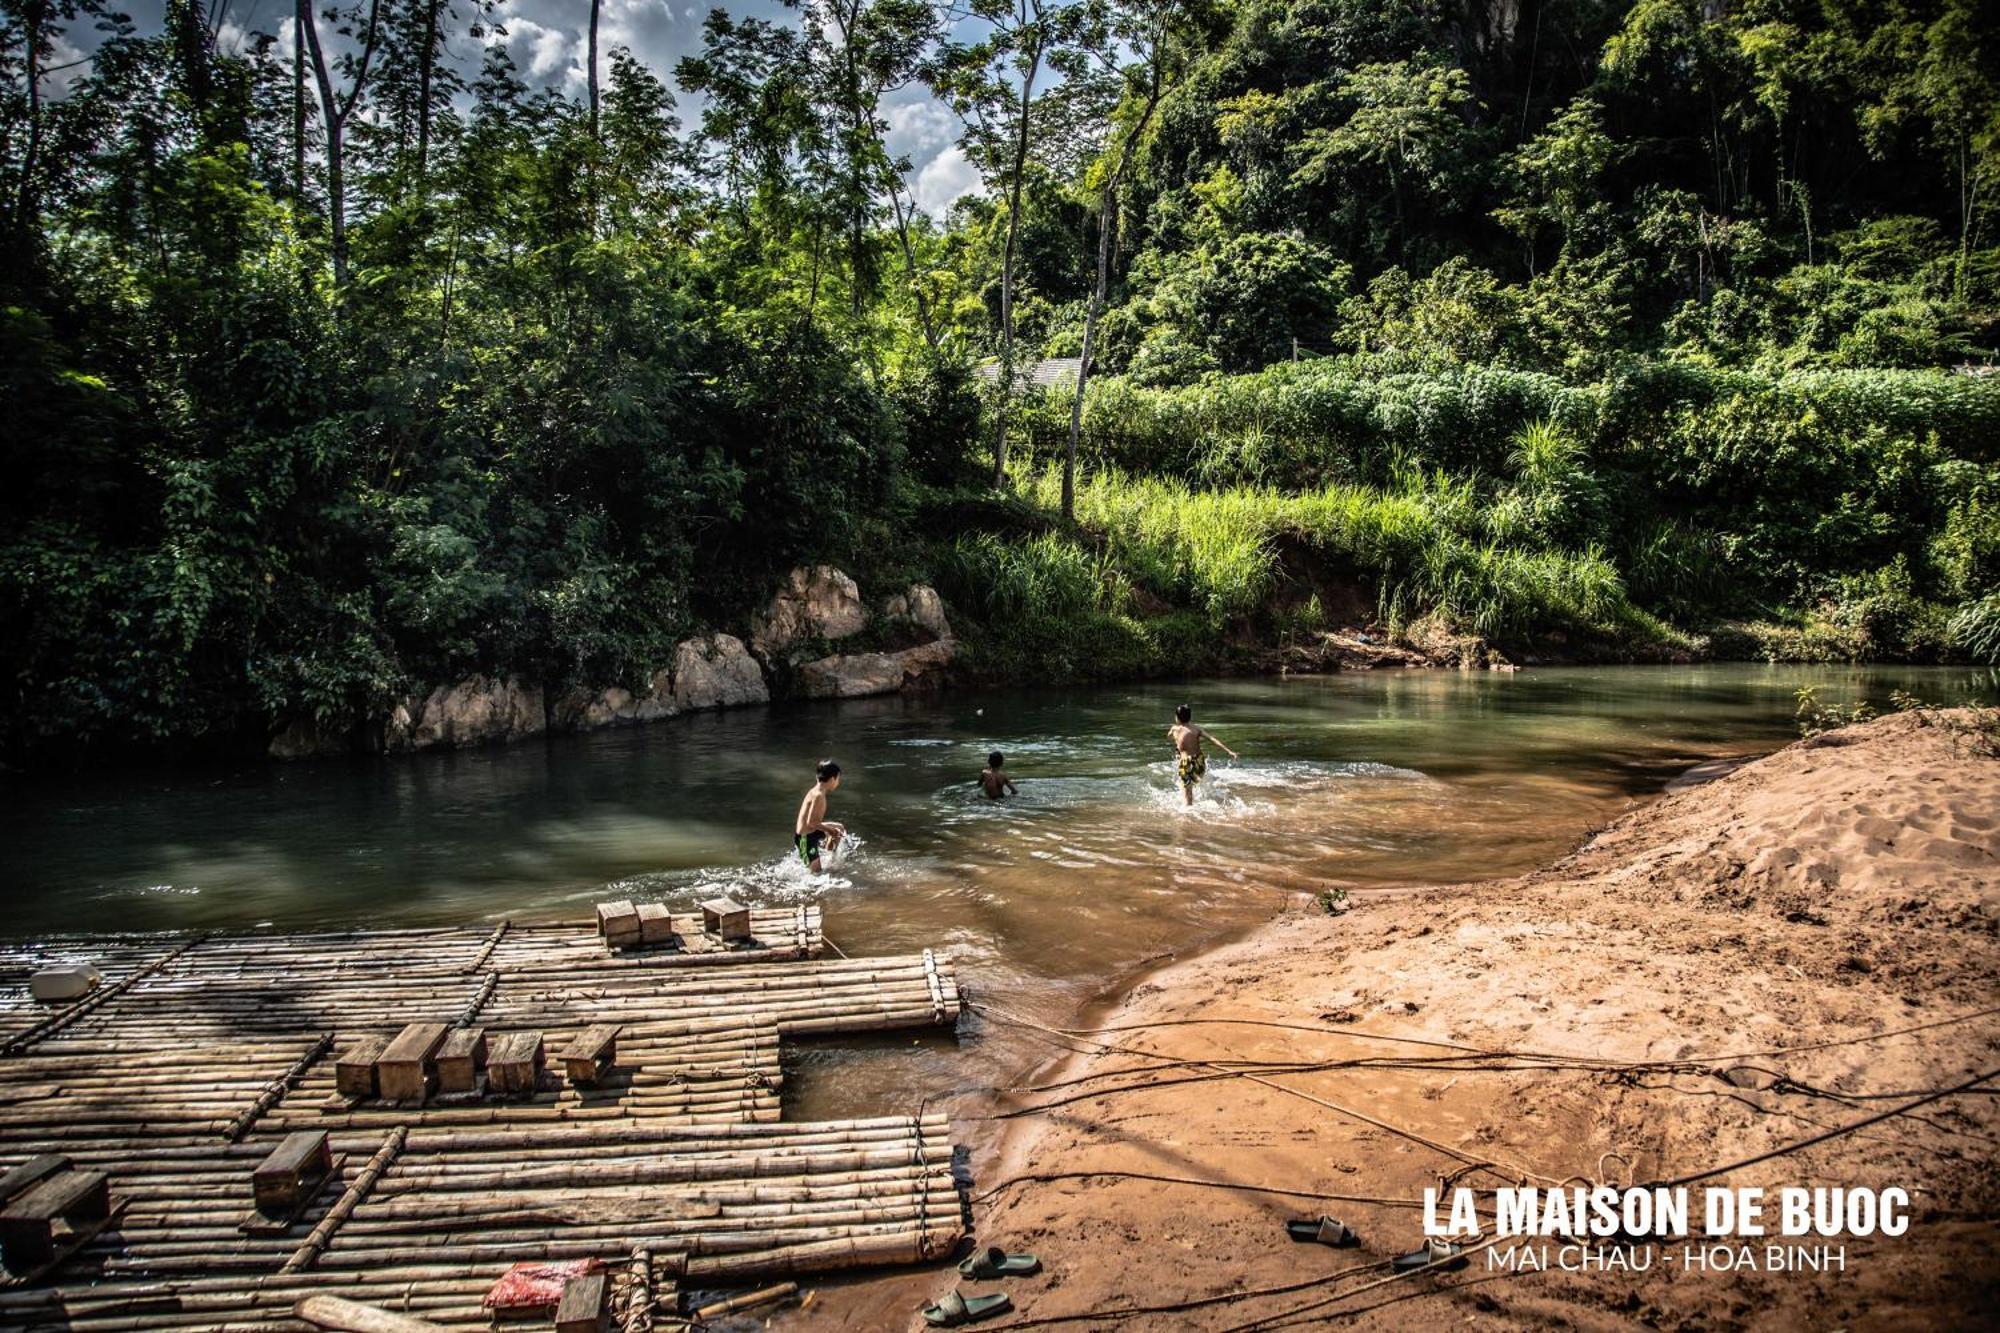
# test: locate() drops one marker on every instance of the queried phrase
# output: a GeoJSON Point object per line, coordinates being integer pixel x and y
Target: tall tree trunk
{"type": "Point", "coordinates": [1106, 228]}
{"type": "Point", "coordinates": [595, 135]}
{"type": "Point", "coordinates": [298, 105]}
{"type": "Point", "coordinates": [426, 63]}
{"type": "Point", "coordinates": [910, 265]}
{"type": "Point", "coordinates": [334, 114]}
{"type": "Point", "coordinates": [1007, 269]}
{"type": "Point", "coordinates": [26, 206]}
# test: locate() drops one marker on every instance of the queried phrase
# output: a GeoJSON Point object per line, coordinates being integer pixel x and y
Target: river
{"type": "Point", "coordinates": [1362, 779]}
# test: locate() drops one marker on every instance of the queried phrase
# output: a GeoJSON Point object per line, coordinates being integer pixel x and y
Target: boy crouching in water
{"type": "Point", "coordinates": [812, 830]}
{"type": "Point", "coordinates": [1187, 739]}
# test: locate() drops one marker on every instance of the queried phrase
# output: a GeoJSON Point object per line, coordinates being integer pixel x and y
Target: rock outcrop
{"type": "Point", "coordinates": [584, 709]}
{"type": "Point", "coordinates": [857, 675]}
{"type": "Point", "coordinates": [476, 710]}
{"type": "Point", "coordinates": [718, 672]}
{"type": "Point", "coordinates": [816, 602]}
{"type": "Point", "coordinates": [922, 607]}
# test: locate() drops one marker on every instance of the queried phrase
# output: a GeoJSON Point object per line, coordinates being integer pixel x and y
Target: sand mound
{"type": "Point", "coordinates": [1813, 934]}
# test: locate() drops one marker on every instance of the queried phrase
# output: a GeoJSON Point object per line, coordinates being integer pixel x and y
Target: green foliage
{"type": "Point", "coordinates": [1644, 309]}
{"type": "Point", "coordinates": [1816, 717]}
{"type": "Point", "coordinates": [1975, 629]}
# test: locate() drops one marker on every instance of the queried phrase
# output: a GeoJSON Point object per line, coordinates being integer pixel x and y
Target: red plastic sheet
{"type": "Point", "coordinates": [535, 1286]}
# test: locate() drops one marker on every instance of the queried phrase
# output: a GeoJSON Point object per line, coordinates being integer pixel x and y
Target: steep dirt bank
{"type": "Point", "coordinates": [1796, 945]}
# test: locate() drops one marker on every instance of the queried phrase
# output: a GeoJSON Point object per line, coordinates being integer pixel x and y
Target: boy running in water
{"type": "Point", "coordinates": [812, 830]}
{"type": "Point", "coordinates": [1187, 739]}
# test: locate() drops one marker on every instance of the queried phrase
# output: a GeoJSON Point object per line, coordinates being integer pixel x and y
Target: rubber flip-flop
{"type": "Point", "coordinates": [1321, 1230]}
{"type": "Point", "coordinates": [993, 1262]}
{"type": "Point", "coordinates": [1439, 1254]}
{"type": "Point", "coordinates": [955, 1308]}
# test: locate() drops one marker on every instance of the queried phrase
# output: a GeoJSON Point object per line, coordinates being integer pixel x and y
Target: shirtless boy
{"type": "Point", "coordinates": [812, 830]}
{"type": "Point", "coordinates": [1187, 739]}
{"type": "Point", "coordinates": [995, 783]}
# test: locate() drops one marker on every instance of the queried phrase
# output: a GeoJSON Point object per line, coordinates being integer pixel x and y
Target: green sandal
{"type": "Point", "coordinates": [994, 1262]}
{"type": "Point", "coordinates": [953, 1309]}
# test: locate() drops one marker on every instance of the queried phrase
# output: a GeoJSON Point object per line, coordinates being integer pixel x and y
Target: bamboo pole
{"type": "Point", "coordinates": [323, 1234]}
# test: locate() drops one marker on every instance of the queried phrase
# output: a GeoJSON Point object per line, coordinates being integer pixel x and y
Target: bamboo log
{"type": "Point", "coordinates": [748, 1301]}
{"type": "Point", "coordinates": [277, 1088]}
{"type": "Point", "coordinates": [322, 1235]}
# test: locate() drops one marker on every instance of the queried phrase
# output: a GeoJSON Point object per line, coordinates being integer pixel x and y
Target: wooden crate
{"type": "Point", "coordinates": [514, 1060]}
{"type": "Point", "coordinates": [39, 1222]}
{"type": "Point", "coordinates": [354, 1068]}
{"type": "Point", "coordinates": [405, 1069]}
{"type": "Point", "coordinates": [655, 925]}
{"type": "Point", "coordinates": [618, 923]}
{"type": "Point", "coordinates": [584, 1307]}
{"type": "Point", "coordinates": [727, 918]}
{"type": "Point", "coordinates": [460, 1059]}
{"type": "Point", "coordinates": [293, 1172]}
{"type": "Point", "coordinates": [590, 1053]}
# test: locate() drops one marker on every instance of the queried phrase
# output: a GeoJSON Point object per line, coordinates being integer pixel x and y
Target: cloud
{"type": "Point", "coordinates": [545, 55]}
{"type": "Point", "coordinates": [944, 180]}
{"type": "Point", "coordinates": [918, 128]}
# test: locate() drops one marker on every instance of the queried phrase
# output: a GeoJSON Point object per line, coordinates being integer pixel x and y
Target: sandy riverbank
{"type": "Point", "coordinates": [1843, 888]}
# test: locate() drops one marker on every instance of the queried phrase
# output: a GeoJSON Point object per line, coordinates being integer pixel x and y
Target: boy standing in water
{"type": "Point", "coordinates": [995, 783]}
{"type": "Point", "coordinates": [1187, 739]}
{"type": "Point", "coordinates": [812, 830]}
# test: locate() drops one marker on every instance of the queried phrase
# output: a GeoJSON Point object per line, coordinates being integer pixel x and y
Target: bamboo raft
{"type": "Point", "coordinates": [193, 1059]}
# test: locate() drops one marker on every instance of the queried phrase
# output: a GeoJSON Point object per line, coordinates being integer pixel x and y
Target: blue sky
{"type": "Point", "coordinates": [547, 41]}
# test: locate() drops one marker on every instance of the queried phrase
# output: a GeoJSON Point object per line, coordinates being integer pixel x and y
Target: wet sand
{"type": "Point", "coordinates": [1798, 944]}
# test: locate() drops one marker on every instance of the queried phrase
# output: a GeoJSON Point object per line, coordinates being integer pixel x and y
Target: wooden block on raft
{"type": "Point", "coordinates": [585, 1307]}
{"type": "Point", "coordinates": [354, 1068]}
{"type": "Point", "coordinates": [655, 926]}
{"type": "Point", "coordinates": [726, 918]}
{"type": "Point", "coordinates": [285, 1183]}
{"type": "Point", "coordinates": [52, 1217]}
{"type": "Point", "coordinates": [294, 1170]}
{"type": "Point", "coordinates": [404, 1070]}
{"type": "Point", "coordinates": [513, 1062]}
{"type": "Point", "coordinates": [460, 1059]}
{"type": "Point", "coordinates": [29, 1174]}
{"type": "Point", "coordinates": [590, 1053]}
{"type": "Point", "coordinates": [618, 923]}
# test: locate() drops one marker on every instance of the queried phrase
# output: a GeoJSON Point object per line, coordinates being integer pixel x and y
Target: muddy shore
{"type": "Point", "coordinates": [1783, 949]}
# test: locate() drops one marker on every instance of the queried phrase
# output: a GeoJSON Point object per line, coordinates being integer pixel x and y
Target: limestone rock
{"type": "Point", "coordinates": [922, 607]}
{"type": "Point", "coordinates": [476, 710]}
{"type": "Point", "coordinates": [852, 676]}
{"type": "Point", "coordinates": [717, 672]}
{"type": "Point", "coordinates": [816, 602]}
{"type": "Point", "coordinates": [857, 675]}
{"type": "Point", "coordinates": [584, 709]}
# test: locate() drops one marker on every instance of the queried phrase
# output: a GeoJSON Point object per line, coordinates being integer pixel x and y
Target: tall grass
{"type": "Point", "coordinates": [1426, 547]}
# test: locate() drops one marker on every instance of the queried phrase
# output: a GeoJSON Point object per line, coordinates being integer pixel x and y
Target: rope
{"type": "Point", "coordinates": [1834, 1133]}
{"type": "Point", "coordinates": [1414, 1137]}
{"type": "Point", "coordinates": [1052, 1176]}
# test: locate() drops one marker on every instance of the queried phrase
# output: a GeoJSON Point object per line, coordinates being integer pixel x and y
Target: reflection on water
{"type": "Point", "coordinates": [1365, 779]}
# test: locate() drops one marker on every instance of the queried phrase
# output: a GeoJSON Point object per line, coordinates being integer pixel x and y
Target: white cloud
{"type": "Point", "coordinates": [544, 55]}
{"type": "Point", "coordinates": [918, 129]}
{"type": "Point", "coordinates": [944, 180]}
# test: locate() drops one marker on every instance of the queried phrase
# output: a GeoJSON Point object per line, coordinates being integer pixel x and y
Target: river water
{"type": "Point", "coordinates": [1361, 779]}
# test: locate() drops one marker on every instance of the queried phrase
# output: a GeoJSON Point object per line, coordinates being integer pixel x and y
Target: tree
{"type": "Point", "coordinates": [1154, 29]}
{"type": "Point", "coordinates": [991, 84]}
{"type": "Point", "coordinates": [335, 111]}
